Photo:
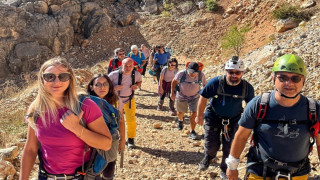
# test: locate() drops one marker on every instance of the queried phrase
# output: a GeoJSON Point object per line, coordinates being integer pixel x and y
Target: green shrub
{"type": "Point", "coordinates": [165, 13]}
{"type": "Point", "coordinates": [168, 6]}
{"type": "Point", "coordinates": [291, 11]}
{"type": "Point", "coordinates": [234, 39]}
{"type": "Point", "coordinates": [212, 5]}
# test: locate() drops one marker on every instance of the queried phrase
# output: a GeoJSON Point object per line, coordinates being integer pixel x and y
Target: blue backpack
{"type": "Point", "coordinates": [99, 158]}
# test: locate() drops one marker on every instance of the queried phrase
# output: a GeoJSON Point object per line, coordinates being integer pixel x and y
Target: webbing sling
{"type": "Point", "coordinates": [132, 81]}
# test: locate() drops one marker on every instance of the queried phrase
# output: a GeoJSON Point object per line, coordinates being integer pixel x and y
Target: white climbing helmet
{"type": "Point", "coordinates": [235, 63]}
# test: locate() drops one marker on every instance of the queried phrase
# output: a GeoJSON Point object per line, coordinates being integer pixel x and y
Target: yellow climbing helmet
{"type": "Point", "coordinates": [290, 63]}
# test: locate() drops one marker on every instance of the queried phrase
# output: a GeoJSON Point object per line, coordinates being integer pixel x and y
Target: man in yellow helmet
{"type": "Point", "coordinates": [285, 126]}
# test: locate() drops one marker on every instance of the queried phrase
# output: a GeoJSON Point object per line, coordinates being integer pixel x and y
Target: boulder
{"type": "Point", "coordinates": [9, 154]}
{"type": "Point", "coordinates": [308, 4]}
{"type": "Point", "coordinates": [186, 7]}
{"type": "Point", "coordinates": [286, 24]}
{"type": "Point", "coordinates": [201, 5]}
{"type": "Point", "coordinates": [127, 18]}
{"type": "Point", "coordinates": [88, 7]}
{"type": "Point", "coordinates": [7, 170]}
{"type": "Point", "coordinates": [150, 6]}
{"type": "Point", "coordinates": [95, 22]}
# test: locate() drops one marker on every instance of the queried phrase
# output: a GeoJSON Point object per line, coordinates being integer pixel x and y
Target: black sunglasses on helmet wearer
{"type": "Point", "coordinates": [50, 77]}
{"type": "Point", "coordinates": [234, 72]}
{"type": "Point", "coordinates": [120, 54]}
{"type": "Point", "coordinates": [284, 78]}
{"type": "Point", "coordinates": [99, 85]}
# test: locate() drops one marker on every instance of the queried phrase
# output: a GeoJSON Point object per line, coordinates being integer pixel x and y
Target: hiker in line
{"type": "Point", "coordinates": [226, 94]}
{"type": "Point", "coordinates": [159, 60]}
{"type": "Point", "coordinates": [138, 57]}
{"type": "Point", "coordinates": [101, 86]}
{"type": "Point", "coordinates": [146, 53]}
{"type": "Point", "coordinates": [54, 121]}
{"type": "Point", "coordinates": [126, 80]}
{"type": "Point", "coordinates": [116, 61]}
{"type": "Point", "coordinates": [169, 49]}
{"type": "Point", "coordinates": [166, 77]}
{"type": "Point", "coordinates": [285, 125]}
{"type": "Point", "coordinates": [154, 50]}
{"type": "Point", "coordinates": [189, 83]}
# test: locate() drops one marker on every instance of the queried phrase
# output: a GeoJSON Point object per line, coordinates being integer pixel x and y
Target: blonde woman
{"type": "Point", "coordinates": [53, 122]}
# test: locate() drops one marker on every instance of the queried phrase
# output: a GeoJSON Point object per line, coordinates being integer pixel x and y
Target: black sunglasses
{"type": "Point", "coordinates": [234, 72]}
{"type": "Point", "coordinates": [50, 77]}
{"type": "Point", "coordinates": [284, 78]}
{"type": "Point", "coordinates": [99, 85]}
{"type": "Point", "coordinates": [120, 54]}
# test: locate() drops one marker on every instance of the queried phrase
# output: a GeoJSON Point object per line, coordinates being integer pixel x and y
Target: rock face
{"type": "Point", "coordinates": [33, 31]}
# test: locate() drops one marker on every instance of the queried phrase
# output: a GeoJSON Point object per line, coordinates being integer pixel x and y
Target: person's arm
{"type": "Point", "coordinates": [173, 87]}
{"type": "Point", "coordinates": [200, 109]}
{"type": "Point", "coordinates": [29, 154]}
{"type": "Point", "coordinates": [160, 83]}
{"type": "Point", "coordinates": [136, 85]}
{"type": "Point", "coordinates": [151, 60]}
{"type": "Point", "coordinates": [237, 147]}
{"type": "Point", "coordinates": [97, 135]}
{"type": "Point", "coordinates": [143, 59]}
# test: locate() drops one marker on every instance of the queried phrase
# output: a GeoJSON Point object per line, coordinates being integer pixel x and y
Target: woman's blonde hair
{"type": "Point", "coordinates": [45, 103]}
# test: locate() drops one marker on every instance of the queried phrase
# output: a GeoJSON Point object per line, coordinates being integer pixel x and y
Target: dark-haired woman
{"type": "Point", "coordinates": [166, 76]}
{"type": "Point", "coordinates": [101, 86]}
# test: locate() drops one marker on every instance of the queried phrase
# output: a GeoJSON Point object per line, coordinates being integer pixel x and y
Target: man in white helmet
{"type": "Point", "coordinates": [222, 114]}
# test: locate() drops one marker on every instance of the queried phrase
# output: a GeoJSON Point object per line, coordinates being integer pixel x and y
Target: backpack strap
{"type": "Point", "coordinates": [263, 105]}
{"type": "Point", "coordinates": [262, 111]}
{"type": "Point", "coordinates": [314, 124]}
{"type": "Point", "coordinates": [133, 81]}
{"type": "Point", "coordinates": [184, 76]}
{"type": "Point", "coordinates": [221, 86]}
{"type": "Point", "coordinates": [165, 70]}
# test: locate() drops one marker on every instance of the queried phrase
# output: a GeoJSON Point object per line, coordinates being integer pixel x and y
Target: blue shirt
{"type": "Point", "coordinates": [162, 59]}
{"type": "Point", "coordinates": [224, 106]}
{"type": "Point", "coordinates": [286, 144]}
{"type": "Point", "coordinates": [137, 58]}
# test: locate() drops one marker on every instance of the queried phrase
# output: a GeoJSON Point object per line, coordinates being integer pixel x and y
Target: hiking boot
{"type": "Point", "coordinates": [131, 143]}
{"type": "Point", "coordinates": [205, 162]}
{"type": "Point", "coordinates": [160, 104]}
{"type": "Point", "coordinates": [173, 113]}
{"type": "Point", "coordinates": [180, 125]}
{"type": "Point", "coordinates": [193, 135]}
{"type": "Point", "coordinates": [223, 176]}
{"type": "Point", "coordinates": [159, 108]}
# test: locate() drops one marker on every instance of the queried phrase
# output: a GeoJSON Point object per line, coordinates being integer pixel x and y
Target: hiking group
{"type": "Point", "coordinates": [78, 135]}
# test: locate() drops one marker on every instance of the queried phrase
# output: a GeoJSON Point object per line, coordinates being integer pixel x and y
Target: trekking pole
{"type": "Point", "coordinates": [121, 158]}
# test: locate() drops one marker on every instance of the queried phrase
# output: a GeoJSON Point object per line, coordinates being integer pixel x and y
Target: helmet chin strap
{"type": "Point", "coordinates": [288, 96]}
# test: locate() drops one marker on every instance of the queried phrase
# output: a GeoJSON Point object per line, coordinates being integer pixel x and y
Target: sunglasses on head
{"type": "Point", "coordinates": [99, 85]}
{"type": "Point", "coordinates": [284, 78]}
{"type": "Point", "coordinates": [234, 72]}
{"type": "Point", "coordinates": [50, 77]}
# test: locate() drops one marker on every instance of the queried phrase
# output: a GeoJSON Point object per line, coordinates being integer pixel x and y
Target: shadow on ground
{"type": "Point", "coordinates": [184, 157]}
